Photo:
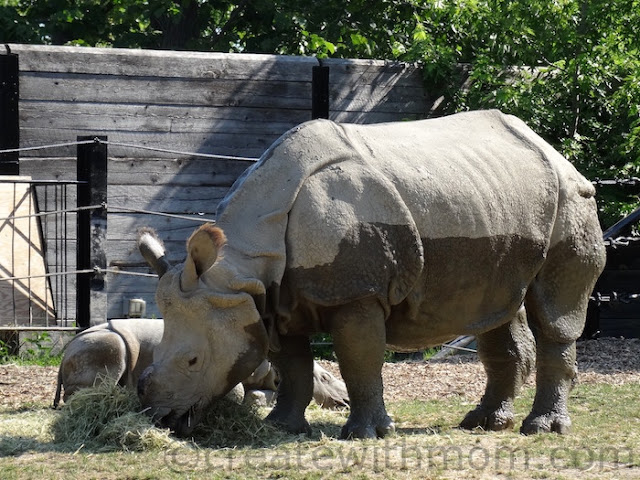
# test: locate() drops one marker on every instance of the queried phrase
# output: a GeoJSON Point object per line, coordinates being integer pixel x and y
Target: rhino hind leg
{"type": "Point", "coordinates": [556, 305]}
{"type": "Point", "coordinates": [359, 339]}
{"type": "Point", "coordinates": [295, 390]}
{"type": "Point", "coordinates": [556, 329]}
{"type": "Point", "coordinates": [508, 356]}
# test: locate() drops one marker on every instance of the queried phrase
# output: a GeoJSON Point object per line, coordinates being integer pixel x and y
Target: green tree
{"type": "Point", "coordinates": [570, 68]}
{"type": "Point", "coordinates": [355, 28]}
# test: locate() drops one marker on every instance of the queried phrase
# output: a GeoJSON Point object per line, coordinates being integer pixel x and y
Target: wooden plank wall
{"type": "Point", "coordinates": [213, 103]}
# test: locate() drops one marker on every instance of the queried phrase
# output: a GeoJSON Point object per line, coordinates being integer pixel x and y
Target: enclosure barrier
{"type": "Point", "coordinates": [91, 263]}
{"type": "Point", "coordinates": [227, 118]}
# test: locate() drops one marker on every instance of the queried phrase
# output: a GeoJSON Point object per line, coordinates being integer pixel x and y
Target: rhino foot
{"type": "Point", "coordinates": [375, 429]}
{"type": "Point", "coordinates": [550, 422]}
{"type": "Point", "coordinates": [489, 419]}
{"type": "Point", "coordinates": [295, 424]}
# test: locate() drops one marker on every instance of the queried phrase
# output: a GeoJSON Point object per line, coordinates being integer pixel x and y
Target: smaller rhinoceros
{"type": "Point", "coordinates": [328, 391]}
{"type": "Point", "coordinates": [121, 349]}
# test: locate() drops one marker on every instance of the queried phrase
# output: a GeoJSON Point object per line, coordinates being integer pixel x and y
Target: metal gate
{"type": "Point", "coordinates": [38, 224]}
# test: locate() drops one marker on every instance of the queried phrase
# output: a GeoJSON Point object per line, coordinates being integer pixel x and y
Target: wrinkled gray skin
{"type": "Point", "coordinates": [398, 236]}
{"type": "Point", "coordinates": [120, 350]}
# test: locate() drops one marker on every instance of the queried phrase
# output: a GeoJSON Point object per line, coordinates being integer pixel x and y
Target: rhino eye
{"type": "Point", "coordinates": [193, 361]}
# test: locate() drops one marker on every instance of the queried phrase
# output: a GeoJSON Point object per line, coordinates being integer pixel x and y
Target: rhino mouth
{"type": "Point", "coordinates": [181, 423]}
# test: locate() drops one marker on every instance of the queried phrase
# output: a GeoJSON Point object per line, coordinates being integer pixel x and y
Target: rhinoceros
{"type": "Point", "coordinates": [120, 350]}
{"type": "Point", "coordinates": [328, 391]}
{"type": "Point", "coordinates": [400, 236]}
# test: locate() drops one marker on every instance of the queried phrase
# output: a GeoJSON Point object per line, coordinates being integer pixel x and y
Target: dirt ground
{"type": "Point", "coordinates": [607, 360]}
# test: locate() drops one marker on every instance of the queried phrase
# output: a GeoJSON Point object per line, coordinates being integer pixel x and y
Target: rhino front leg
{"type": "Point", "coordinates": [508, 355]}
{"type": "Point", "coordinates": [359, 338]}
{"type": "Point", "coordinates": [294, 363]}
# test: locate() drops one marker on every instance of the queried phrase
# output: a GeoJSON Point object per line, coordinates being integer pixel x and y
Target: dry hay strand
{"type": "Point", "coordinates": [107, 417]}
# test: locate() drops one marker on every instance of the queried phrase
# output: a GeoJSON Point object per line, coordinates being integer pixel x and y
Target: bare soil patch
{"type": "Point", "coordinates": [606, 360]}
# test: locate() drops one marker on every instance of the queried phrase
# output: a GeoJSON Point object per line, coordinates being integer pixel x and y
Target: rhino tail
{"type": "Point", "coordinates": [56, 399]}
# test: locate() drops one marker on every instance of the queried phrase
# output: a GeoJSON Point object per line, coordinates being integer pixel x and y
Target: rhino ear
{"type": "Point", "coordinates": [202, 251]}
{"type": "Point", "coordinates": [152, 250]}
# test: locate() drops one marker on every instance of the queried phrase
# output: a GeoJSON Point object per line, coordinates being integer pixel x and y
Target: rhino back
{"type": "Point", "coordinates": [457, 211]}
{"type": "Point", "coordinates": [147, 332]}
{"type": "Point", "coordinates": [141, 336]}
{"type": "Point", "coordinates": [469, 175]}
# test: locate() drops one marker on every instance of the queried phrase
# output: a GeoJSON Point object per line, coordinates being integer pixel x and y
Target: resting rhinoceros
{"type": "Point", "coordinates": [400, 236]}
{"type": "Point", "coordinates": [120, 350]}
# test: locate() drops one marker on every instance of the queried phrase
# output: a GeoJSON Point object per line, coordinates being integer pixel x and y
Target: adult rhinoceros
{"type": "Point", "coordinates": [400, 235]}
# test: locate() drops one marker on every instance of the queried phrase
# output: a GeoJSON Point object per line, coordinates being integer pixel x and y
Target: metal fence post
{"type": "Point", "coordinates": [320, 92]}
{"type": "Point", "coordinates": [9, 119]}
{"type": "Point", "coordinates": [91, 297]}
{"type": "Point", "coordinates": [9, 139]}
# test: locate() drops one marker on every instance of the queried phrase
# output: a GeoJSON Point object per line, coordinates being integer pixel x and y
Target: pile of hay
{"type": "Point", "coordinates": [108, 417]}
{"type": "Point", "coordinates": [229, 424]}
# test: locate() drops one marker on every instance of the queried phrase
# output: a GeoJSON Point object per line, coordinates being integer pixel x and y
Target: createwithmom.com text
{"type": "Point", "coordinates": [400, 454]}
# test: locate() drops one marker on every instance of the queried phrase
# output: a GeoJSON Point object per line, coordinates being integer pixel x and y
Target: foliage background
{"type": "Point", "coordinates": [570, 68]}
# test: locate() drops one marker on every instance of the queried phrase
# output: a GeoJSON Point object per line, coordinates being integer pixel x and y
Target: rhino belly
{"type": "Point", "coordinates": [468, 286]}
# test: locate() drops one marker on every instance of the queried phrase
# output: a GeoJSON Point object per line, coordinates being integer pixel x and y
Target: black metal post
{"type": "Point", "coordinates": [320, 92]}
{"type": "Point", "coordinates": [91, 298]}
{"type": "Point", "coordinates": [9, 119]}
{"type": "Point", "coordinates": [9, 139]}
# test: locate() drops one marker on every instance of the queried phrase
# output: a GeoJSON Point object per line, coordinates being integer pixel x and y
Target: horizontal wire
{"type": "Point", "coordinates": [52, 212]}
{"type": "Point", "coordinates": [45, 147]}
{"type": "Point", "coordinates": [116, 210]}
{"type": "Point", "coordinates": [43, 328]}
{"type": "Point", "coordinates": [96, 270]}
{"type": "Point", "coordinates": [129, 145]}
{"type": "Point", "coordinates": [177, 152]}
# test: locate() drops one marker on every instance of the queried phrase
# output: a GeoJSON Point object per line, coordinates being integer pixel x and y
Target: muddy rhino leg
{"type": "Point", "coordinates": [556, 307]}
{"type": "Point", "coordinates": [508, 355]}
{"type": "Point", "coordinates": [359, 338]}
{"type": "Point", "coordinates": [294, 363]}
{"type": "Point", "coordinates": [556, 368]}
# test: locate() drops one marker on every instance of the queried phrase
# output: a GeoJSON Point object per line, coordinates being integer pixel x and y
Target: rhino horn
{"type": "Point", "coordinates": [202, 251]}
{"type": "Point", "coordinates": [152, 249]}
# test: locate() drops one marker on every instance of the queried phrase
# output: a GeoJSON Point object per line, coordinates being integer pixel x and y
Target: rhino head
{"type": "Point", "coordinates": [213, 336]}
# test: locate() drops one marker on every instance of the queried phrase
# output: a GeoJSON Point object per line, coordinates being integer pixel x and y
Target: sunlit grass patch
{"type": "Point", "coordinates": [235, 442]}
{"type": "Point", "coordinates": [25, 430]}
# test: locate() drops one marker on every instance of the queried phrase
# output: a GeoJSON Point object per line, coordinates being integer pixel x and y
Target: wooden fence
{"type": "Point", "coordinates": [213, 103]}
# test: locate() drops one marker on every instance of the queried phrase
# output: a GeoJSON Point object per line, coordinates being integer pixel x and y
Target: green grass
{"type": "Point", "coordinates": [29, 360]}
{"type": "Point", "coordinates": [235, 443]}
